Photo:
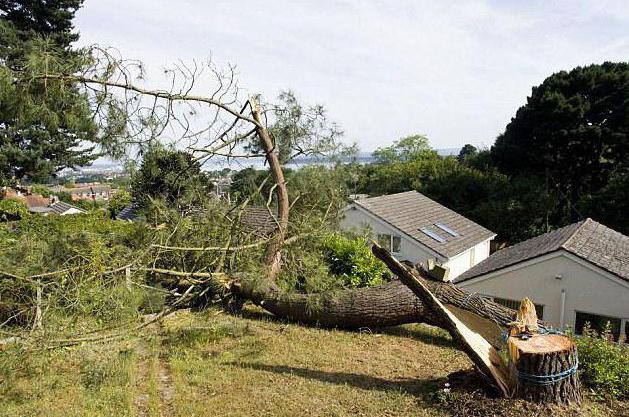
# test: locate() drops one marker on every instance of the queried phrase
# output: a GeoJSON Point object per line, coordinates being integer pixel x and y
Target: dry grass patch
{"type": "Point", "coordinates": [259, 366]}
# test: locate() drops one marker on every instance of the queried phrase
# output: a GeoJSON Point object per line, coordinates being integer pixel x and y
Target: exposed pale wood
{"type": "Point", "coordinates": [273, 255]}
{"type": "Point", "coordinates": [526, 319]}
{"type": "Point", "coordinates": [479, 350]}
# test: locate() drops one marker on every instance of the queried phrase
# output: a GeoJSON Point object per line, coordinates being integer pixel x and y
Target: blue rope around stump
{"type": "Point", "coordinates": [551, 378]}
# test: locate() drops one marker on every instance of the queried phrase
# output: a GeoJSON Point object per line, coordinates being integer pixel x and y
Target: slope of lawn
{"type": "Point", "coordinates": [213, 364]}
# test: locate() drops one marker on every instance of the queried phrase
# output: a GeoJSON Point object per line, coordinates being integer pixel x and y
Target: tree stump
{"type": "Point", "coordinates": [543, 367]}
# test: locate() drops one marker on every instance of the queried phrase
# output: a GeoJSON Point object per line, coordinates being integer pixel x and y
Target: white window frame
{"type": "Point", "coordinates": [389, 237]}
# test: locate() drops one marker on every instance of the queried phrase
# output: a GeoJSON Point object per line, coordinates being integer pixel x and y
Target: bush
{"type": "Point", "coordinates": [352, 261]}
{"type": "Point", "coordinates": [604, 366]}
{"type": "Point", "coordinates": [12, 210]}
{"type": "Point", "coordinates": [117, 202]}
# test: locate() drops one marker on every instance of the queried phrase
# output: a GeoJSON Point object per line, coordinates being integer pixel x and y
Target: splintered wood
{"type": "Point", "coordinates": [543, 366]}
{"type": "Point", "coordinates": [479, 350]}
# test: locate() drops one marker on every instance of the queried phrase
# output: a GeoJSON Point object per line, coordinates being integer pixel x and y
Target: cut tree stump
{"type": "Point", "coordinates": [543, 365]}
{"type": "Point", "coordinates": [544, 368]}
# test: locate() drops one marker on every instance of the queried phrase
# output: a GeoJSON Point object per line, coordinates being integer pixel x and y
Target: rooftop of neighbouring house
{"type": "Point", "coordinates": [587, 239]}
{"type": "Point", "coordinates": [433, 225]}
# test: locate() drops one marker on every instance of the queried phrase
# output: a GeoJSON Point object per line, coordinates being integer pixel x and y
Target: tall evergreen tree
{"type": "Point", "coordinates": [45, 126]}
{"type": "Point", "coordinates": [573, 132]}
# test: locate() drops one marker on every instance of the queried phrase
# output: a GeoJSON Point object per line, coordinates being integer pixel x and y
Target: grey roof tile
{"type": "Point", "coordinates": [410, 211]}
{"type": "Point", "coordinates": [586, 239]}
{"type": "Point", "coordinates": [258, 221]}
{"type": "Point", "coordinates": [61, 207]}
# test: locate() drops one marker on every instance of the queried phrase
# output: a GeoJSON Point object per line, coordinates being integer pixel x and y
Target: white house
{"type": "Point", "coordinates": [574, 275]}
{"type": "Point", "coordinates": [415, 228]}
{"type": "Point", "coordinates": [58, 207]}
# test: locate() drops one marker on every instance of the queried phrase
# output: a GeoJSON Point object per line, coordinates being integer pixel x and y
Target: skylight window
{"type": "Point", "coordinates": [446, 229]}
{"type": "Point", "coordinates": [432, 234]}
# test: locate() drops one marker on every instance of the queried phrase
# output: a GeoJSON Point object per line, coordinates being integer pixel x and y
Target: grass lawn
{"type": "Point", "coordinates": [213, 364]}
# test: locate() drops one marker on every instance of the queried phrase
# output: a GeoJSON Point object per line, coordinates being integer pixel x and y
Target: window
{"type": "Point", "coordinates": [515, 305]}
{"type": "Point", "coordinates": [391, 243]}
{"type": "Point", "coordinates": [396, 244]}
{"type": "Point", "coordinates": [432, 234]}
{"type": "Point", "coordinates": [446, 229]}
{"type": "Point", "coordinates": [597, 323]}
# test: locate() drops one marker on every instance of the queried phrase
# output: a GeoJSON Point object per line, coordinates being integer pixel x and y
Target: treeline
{"type": "Point", "coordinates": [562, 158]}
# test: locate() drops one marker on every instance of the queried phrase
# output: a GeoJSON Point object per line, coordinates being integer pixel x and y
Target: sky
{"type": "Point", "coordinates": [456, 71]}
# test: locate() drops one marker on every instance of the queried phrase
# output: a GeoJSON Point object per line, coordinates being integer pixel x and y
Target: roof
{"type": "Point", "coordinates": [35, 200]}
{"type": "Point", "coordinates": [587, 239]}
{"type": "Point", "coordinates": [128, 213]}
{"type": "Point", "coordinates": [258, 220]}
{"type": "Point", "coordinates": [61, 207]}
{"type": "Point", "coordinates": [411, 211]}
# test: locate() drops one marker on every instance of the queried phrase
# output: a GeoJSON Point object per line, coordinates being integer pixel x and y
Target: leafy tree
{"type": "Point", "coordinates": [118, 201]}
{"type": "Point", "coordinates": [11, 209]}
{"type": "Point", "coordinates": [467, 151]}
{"type": "Point", "coordinates": [407, 149]}
{"type": "Point", "coordinates": [572, 133]}
{"type": "Point", "coordinates": [171, 176]}
{"type": "Point", "coordinates": [44, 125]}
{"type": "Point", "coordinates": [299, 130]}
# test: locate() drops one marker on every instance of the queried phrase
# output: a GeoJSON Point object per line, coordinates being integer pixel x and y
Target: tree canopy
{"type": "Point", "coordinates": [573, 131]}
{"type": "Point", "coordinates": [170, 176]}
{"type": "Point", "coordinates": [409, 148]}
{"type": "Point", "coordinates": [45, 125]}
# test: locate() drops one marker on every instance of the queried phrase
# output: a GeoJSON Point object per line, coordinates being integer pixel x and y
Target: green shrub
{"type": "Point", "coordinates": [12, 210]}
{"type": "Point", "coordinates": [352, 261]}
{"type": "Point", "coordinates": [41, 189]}
{"type": "Point", "coordinates": [604, 366]}
{"type": "Point", "coordinates": [117, 202]}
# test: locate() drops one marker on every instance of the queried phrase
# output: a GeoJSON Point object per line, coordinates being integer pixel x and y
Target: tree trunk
{"type": "Point", "coordinates": [273, 255]}
{"type": "Point", "coordinates": [544, 368]}
{"type": "Point", "coordinates": [385, 305]}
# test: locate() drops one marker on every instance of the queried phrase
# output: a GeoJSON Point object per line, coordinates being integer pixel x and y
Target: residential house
{"type": "Point", "coordinates": [92, 191]}
{"type": "Point", "coordinates": [574, 275]}
{"type": "Point", "coordinates": [416, 229]}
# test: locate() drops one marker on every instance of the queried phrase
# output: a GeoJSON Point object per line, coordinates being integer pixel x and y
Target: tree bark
{"type": "Point", "coordinates": [385, 305]}
{"type": "Point", "coordinates": [544, 368]}
{"type": "Point", "coordinates": [273, 254]}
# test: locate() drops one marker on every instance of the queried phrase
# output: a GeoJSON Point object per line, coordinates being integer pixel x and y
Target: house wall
{"type": "Point", "coordinates": [356, 219]}
{"type": "Point", "coordinates": [587, 288]}
{"type": "Point", "coordinates": [72, 211]}
{"type": "Point", "coordinates": [464, 261]}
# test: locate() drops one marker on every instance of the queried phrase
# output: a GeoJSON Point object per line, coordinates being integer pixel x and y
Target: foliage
{"type": "Point", "coordinates": [42, 17]}
{"type": "Point", "coordinates": [88, 204]}
{"type": "Point", "coordinates": [41, 189]}
{"type": "Point", "coordinates": [43, 122]}
{"type": "Point", "coordinates": [118, 201]}
{"type": "Point", "coordinates": [351, 260]}
{"type": "Point", "coordinates": [407, 149]}
{"type": "Point", "coordinates": [11, 209]}
{"type": "Point", "coordinates": [171, 176]}
{"type": "Point", "coordinates": [467, 151]}
{"type": "Point", "coordinates": [299, 130]}
{"type": "Point", "coordinates": [604, 366]}
{"type": "Point", "coordinates": [572, 134]}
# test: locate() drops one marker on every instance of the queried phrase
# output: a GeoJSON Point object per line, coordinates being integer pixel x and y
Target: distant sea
{"type": "Point", "coordinates": [218, 163]}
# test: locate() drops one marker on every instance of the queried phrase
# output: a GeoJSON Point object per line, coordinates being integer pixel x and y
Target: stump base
{"type": "Point", "coordinates": [543, 368]}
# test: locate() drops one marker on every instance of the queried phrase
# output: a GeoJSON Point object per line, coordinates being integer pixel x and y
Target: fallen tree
{"type": "Point", "coordinates": [385, 305]}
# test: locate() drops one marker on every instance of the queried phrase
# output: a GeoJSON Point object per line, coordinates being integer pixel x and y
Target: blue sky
{"type": "Point", "coordinates": [455, 71]}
